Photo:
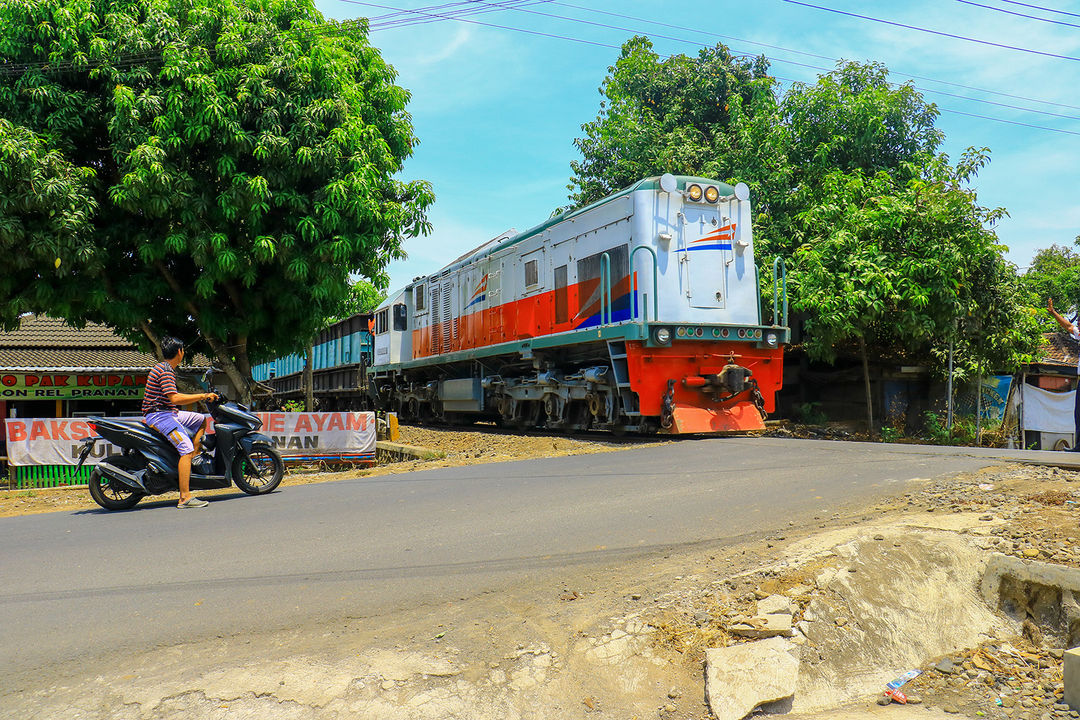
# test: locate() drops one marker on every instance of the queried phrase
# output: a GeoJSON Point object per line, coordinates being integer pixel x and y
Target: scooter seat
{"type": "Point", "coordinates": [142, 425]}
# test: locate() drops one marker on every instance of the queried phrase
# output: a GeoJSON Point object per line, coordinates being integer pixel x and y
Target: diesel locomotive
{"type": "Point", "coordinates": [641, 312]}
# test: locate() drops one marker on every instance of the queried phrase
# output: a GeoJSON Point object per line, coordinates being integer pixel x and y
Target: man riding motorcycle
{"type": "Point", "coordinates": [161, 412]}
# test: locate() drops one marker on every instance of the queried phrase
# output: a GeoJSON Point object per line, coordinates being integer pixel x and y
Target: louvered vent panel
{"type": "Point", "coordinates": [448, 320]}
{"type": "Point", "coordinates": [436, 321]}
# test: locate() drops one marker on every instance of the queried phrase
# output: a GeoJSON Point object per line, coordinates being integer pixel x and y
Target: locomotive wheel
{"type": "Point", "coordinates": [529, 413]}
{"type": "Point", "coordinates": [551, 408]}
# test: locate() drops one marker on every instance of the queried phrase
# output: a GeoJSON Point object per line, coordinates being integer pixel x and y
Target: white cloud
{"type": "Point", "coordinates": [461, 38]}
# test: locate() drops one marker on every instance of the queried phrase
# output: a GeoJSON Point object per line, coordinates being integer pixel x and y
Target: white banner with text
{"type": "Point", "coordinates": [297, 436]}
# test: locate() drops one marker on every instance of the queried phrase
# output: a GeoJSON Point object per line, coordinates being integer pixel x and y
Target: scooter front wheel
{"type": "Point", "coordinates": [111, 495]}
{"type": "Point", "coordinates": [260, 472]}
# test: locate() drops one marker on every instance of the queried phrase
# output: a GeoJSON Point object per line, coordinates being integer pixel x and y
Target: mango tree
{"type": "Point", "coordinates": [240, 159]}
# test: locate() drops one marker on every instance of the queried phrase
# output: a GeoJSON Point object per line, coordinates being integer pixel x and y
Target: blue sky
{"type": "Point", "coordinates": [497, 109]}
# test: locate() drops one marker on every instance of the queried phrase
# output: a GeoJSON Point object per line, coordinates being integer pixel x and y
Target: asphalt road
{"type": "Point", "coordinates": [75, 585]}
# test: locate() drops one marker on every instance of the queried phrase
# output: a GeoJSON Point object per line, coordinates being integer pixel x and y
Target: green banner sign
{"type": "Point", "coordinates": [71, 386]}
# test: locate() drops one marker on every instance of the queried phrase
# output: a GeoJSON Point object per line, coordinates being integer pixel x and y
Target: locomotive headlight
{"type": "Point", "coordinates": [662, 336]}
{"type": "Point", "coordinates": [771, 339]}
{"type": "Point", "coordinates": [694, 191]}
{"type": "Point", "coordinates": [712, 194]}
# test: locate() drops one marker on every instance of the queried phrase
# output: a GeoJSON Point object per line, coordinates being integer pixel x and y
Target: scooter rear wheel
{"type": "Point", "coordinates": [260, 472]}
{"type": "Point", "coordinates": [111, 495]}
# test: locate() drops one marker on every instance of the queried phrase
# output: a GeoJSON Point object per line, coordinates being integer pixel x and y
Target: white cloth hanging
{"type": "Point", "coordinates": [1048, 411]}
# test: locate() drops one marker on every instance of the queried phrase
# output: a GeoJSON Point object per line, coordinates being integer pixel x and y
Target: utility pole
{"type": "Point", "coordinates": [948, 392]}
{"type": "Point", "coordinates": [978, 411]}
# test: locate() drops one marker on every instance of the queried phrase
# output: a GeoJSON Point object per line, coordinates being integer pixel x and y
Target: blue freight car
{"type": "Point", "coordinates": [341, 355]}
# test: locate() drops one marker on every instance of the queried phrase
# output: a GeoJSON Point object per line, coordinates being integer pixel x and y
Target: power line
{"type": "Point", "coordinates": [1011, 122]}
{"type": "Point", "coordinates": [932, 32]}
{"type": "Point", "coordinates": [573, 39]}
{"type": "Point", "coordinates": [821, 57]}
{"type": "Point", "coordinates": [1010, 12]}
{"type": "Point", "coordinates": [1040, 7]}
{"type": "Point", "coordinates": [404, 17]}
{"type": "Point", "coordinates": [491, 25]}
{"type": "Point", "coordinates": [690, 29]}
{"type": "Point", "coordinates": [814, 67]}
{"type": "Point", "coordinates": [473, 7]}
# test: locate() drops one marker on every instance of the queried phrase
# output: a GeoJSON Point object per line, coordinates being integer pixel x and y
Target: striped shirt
{"type": "Point", "coordinates": [160, 384]}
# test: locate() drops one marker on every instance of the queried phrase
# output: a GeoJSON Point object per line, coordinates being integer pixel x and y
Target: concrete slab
{"type": "Point", "coordinates": [1071, 676]}
{"type": "Point", "coordinates": [1026, 571]}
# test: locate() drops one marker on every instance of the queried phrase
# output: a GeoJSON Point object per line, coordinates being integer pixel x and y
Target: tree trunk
{"type": "Point", "coordinates": [866, 379]}
{"type": "Point", "coordinates": [236, 378]}
{"type": "Point", "coordinates": [309, 380]}
{"type": "Point", "coordinates": [153, 338]}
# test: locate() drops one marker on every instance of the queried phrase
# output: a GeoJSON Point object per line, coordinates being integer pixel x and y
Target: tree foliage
{"type": "Point", "coordinates": [909, 267]}
{"type": "Point", "coordinates": [885, 241]}
{"type": "Point", "coordinates": [669, 114]}
{"type": "Point", "coordinates": [237, 159]}
{"type": "Point", "coordinates": [1054, 273]}
{"type": "Point", "coordinates": [45, 207]}
{"type": "Point", "coordinates": [363, 297]}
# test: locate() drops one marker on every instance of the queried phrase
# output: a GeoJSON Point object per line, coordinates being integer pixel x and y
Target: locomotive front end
{"type": "Point", "coordinates": [700, 386]}
{"type": "Point", "coordinates": [706, 362]}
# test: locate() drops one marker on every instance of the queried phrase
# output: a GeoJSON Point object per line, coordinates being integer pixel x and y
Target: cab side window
{"type": "Point", "coordinates": [401, 320]}
{"type": "Point", "coordinates": [381, 324]}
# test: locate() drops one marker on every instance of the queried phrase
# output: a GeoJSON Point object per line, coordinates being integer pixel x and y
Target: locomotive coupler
{"type": "Point", "coordinates": [667, 406]}
{"type": "Point", "coordinates": [733, 378]}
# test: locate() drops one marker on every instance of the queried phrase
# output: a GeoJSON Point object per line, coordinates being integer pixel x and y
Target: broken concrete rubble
{"type": "Point", "coordinates": [774, 605]}
{"type": "Point", "coordinates": [1044, 592]}
{"type": "Point", "coordinates": [740, 678]}
{"type": "Point", "coordinates": [762, 626]}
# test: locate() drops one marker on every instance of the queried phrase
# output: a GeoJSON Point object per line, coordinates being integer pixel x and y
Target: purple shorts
{"type": "Point", "coordinates": [178, 427]}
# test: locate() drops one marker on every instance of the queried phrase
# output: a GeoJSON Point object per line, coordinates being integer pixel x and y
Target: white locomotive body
{"type": "Point", "coordinates": [639, 312]}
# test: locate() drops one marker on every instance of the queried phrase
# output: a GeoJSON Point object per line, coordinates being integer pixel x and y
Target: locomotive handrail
{"type": "Point", "coordinates": [655, 294]}
{"type": "Point", "coordinates": [779, 272]}
{"type": "Point", "coordinates": [605, 289]}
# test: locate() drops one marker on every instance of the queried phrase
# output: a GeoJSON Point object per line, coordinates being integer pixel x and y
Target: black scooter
{"type": "Point", "coordinates": [234, 453]}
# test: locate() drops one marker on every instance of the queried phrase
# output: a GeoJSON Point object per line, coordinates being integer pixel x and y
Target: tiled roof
{"type": "Point", "coordinates": [44, 342]}
{"type": "Point", "coordinates": [74, 358]}
{"type": "Point", "coordinates": [1059, 347]}
{"type": "Point", "coordinates": [39, 331]}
